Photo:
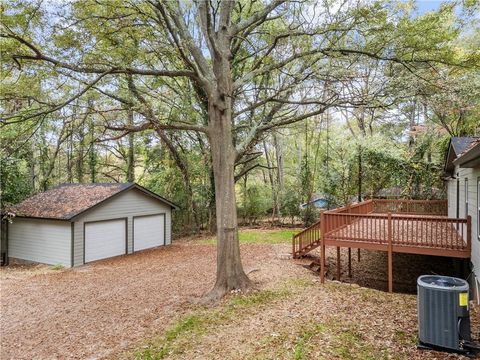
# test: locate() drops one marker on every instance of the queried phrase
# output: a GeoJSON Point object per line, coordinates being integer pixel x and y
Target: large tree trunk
{"type": "Point", "coordinates": [230, 273]}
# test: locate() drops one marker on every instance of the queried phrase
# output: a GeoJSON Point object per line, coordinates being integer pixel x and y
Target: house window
{"type": "Point", "coordinates": [466, 197]}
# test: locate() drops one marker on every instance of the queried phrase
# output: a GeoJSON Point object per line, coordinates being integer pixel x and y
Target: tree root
{"type": "Point", "coordinates": [222, 288]}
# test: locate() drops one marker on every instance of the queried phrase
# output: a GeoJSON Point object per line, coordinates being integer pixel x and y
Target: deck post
{"type": "Point", "coordinates": [358, 254]}
{"type": "Point", "coordinates": [350, 262]}
{"type": "Point", "coordinates": [469, 233]}
{"type": "Point", "coordinates": [293, 246]}
{"type": "Point", "coordinates": [338, 263]}
{"type": "Point", "coordinates": [390, 255]}
{"type": "Point", "coordinates": [322, 255]}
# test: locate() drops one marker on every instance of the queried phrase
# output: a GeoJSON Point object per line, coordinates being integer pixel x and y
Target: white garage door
{"type": "Point", "coordinates": [104, 239]}
{"type": "Point", "coordinates": [148, 231]}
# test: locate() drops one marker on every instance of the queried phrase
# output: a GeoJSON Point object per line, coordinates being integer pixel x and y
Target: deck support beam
{"type": "Point", "coordinates": [322, 246]}
{"type": "Point", "coordinates": [358, 254]}
{"type": "Point", "coordinates": [349, 262]}
{"type": "Point", "coordinates": [338, 263]}
{"type": "Point", "coordinates": [322, 265]}
{"type": "Point", "coordinates": [390, 254]}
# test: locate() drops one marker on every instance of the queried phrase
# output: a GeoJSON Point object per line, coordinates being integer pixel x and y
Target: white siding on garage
{"type": "Point", "coordinates": [127, 204]}
{"type": "Point", "coordinates": [43, 241]}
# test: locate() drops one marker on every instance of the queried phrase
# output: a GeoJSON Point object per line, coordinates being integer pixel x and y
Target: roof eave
{"type": "Point", "coordinates": [470, 159]}
{"type": "Point", "coordinates": [41, 218]}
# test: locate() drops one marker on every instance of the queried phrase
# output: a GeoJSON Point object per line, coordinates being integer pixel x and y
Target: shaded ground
{"type": "Point", "coordinates": [371, 271]}
{"type": "Point", "coordinates": [139, 306]}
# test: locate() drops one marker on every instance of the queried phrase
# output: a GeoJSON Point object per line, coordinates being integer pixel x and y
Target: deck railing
{"type": "Point", "coordinates": [417, 207]}
{"type": "Point", "coordinates": [400, 223]}
{"type": "Point", "coordinates": [364, 207]}
{"type": "Point", "coordinates": [309, 238]}
{"type": "Point", "coordinates": [306, 239]}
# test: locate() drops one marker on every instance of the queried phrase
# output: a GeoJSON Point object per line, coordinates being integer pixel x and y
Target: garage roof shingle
{"type": "Point", "coordinates": [68, 200]}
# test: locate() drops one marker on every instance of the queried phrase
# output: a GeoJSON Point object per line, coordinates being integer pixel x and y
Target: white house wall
{"type": "Point", "coordinates": [472, 174]}
{"type": "Point", "coordinates": [127, 204]}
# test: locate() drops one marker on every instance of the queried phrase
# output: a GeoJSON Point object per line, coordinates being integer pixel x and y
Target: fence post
{"type": "Point", "coordinates": [390, 255]}
{"type": "Point", "coordinates": [322, 256]}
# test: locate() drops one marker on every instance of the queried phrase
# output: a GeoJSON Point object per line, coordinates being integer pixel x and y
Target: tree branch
{"type": "Point", "coordinates": [57, 107]}
{"type": "Point", "coordinates": [39, 56]}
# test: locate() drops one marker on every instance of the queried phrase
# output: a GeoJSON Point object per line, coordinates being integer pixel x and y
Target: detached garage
{"type": "Point", "coordinates": [74, 224]}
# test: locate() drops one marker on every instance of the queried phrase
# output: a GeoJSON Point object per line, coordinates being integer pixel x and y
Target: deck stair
{"type": "Point", "coordinates": [306, 240]}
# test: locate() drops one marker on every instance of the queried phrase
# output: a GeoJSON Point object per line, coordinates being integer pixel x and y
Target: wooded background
{"type": "Point", "coordinates": [388, 127]}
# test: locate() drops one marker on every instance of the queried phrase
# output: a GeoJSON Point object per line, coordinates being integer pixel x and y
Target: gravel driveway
{"type": "Point", "coordinates": [100, 309]}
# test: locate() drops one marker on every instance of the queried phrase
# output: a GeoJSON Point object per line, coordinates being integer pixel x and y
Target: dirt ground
{"type": "Point", "coordinates": [109, 308]}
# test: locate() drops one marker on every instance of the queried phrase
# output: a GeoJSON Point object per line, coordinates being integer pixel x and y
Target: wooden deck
{"type": "Point", "coordinates": [410, 234]}
{"type": "Point", "coordinates": [416, 227]}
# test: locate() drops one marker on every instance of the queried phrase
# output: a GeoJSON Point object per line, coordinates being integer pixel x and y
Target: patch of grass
{"type": "Point", "coordinates": [189, 329]}
{"type": "Point", "coordinates": [333, 338]}
{"type": "Point", "coordinates": [349, 343]}
{"type": "Point", "coordinates": [191, 324]}
{"type": "Point", "coordinates": [405, 338]}
{"type": "Point", "coordinates": [259, 298]}
{"type": "Point", "coordinates": [58, 267]}
{"type": "Point", "coordinates": [303, 347]}
{"type": "Point", "coordinates": [300, 338]}
{"type": "Point", "coordinates": [250, 236]}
